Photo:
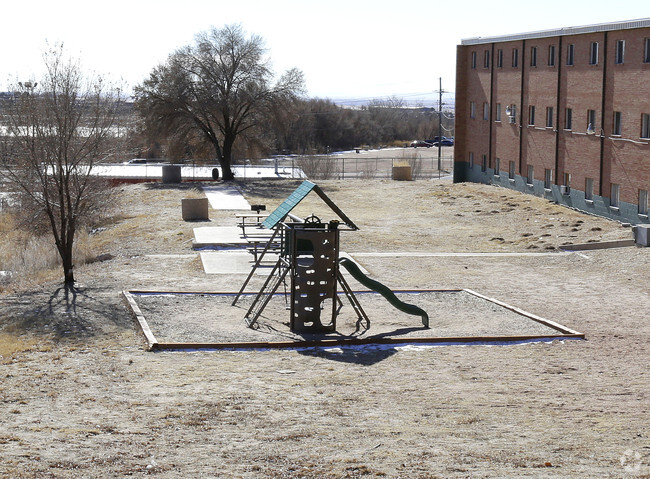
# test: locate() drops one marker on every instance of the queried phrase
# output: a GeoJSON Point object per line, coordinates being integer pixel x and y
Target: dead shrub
{"type": "Point", "coordinates": [414, 160]}
{"type": "Point", "coordinates": [319, 167]}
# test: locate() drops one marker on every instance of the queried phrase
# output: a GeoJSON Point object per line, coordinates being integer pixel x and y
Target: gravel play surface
{"type": "Point", "coordinates": [207, 318]}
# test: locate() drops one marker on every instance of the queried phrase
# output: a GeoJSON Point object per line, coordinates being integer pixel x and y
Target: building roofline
{"type": "Point", "coordinates": [600, 27]}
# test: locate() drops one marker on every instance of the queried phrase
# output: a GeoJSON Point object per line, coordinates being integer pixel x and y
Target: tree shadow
{"type": "Point", "coordinates": [278, 190]}
{"type": "Point", "coordinates": [68, 312]}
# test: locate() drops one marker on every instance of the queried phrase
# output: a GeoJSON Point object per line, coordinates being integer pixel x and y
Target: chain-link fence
{"type": "Point", "coordinates": [367, 166]}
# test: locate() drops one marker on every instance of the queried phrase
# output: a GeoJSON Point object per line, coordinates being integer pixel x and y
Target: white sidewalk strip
{"type": "Point", "coordinates": [226, 197]}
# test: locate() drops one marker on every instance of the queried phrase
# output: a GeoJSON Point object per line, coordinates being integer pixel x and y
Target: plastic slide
{"type": "Point", "coordinates": [376, 286]}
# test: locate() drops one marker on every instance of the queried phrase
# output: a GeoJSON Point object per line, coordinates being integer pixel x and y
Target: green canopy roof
{"type": "Point", "coordinates": [296, 197]}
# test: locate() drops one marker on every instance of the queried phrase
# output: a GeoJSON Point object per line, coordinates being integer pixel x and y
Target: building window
{"type": "Point", "coordinates": [531, 115]}
{"type": "Point", "coordinates": [589, 189]}
{"type": "Point", "coordinates": [498, 112]}
{"type": "Point", "coordinates": [614, 195]}
{"type": "Point", "coordinates": [471, 159]}
{"type": "Point", "coordinates": [533, 56]}
{"type": "Point", "coordinates": [549, 117]}
{"type": "Point", "coordinates": [568, 118]}
{"type": "Point", "coordinates": [569, 54]}
{"type": "Point", "coordinates": [548, 178]}
{"type": "Point", "coordinates": [567, 183]}
{"type": "Point", "coordinates": [486, 59]}
{"type": "Point", "coordinates": [646, 53]}
{"type": "Point", "coordinates": [593, 53]}
{"type": "Point", "coordinates": [486, 111]}
{"type": "Point", "coordinates": [484, 163]}
{"type": "Point", "coordinates": [645, 125]}
{"type": "Point", "coordinates": [472, 109]}
{"type": "Point", "coordinates": [499, 58]}
{"type": "Point", "coordinates": [511, 170]}
{"type": "Point", "coordinates": [473, 60]}
{"type": "Point", "coordinates": [551, 56]}
{"type": "Point", "coordinates": [497, 166]}
{"type": "Point", "coordinates": [620, 52]}
{"type": "Point", "coordinates": [531, 175]}
{"type": "Point", "coordinates": [591, 121]}
{"type": "Point", "coordinates": [643, 202]}
{"type": "Point", "coordinates": [616, 129]}
{"type": "Point", "coordinates": [515, 57]}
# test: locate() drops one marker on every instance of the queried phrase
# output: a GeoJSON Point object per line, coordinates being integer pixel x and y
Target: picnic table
{"type": "Point", "coordinates": [250, 220]}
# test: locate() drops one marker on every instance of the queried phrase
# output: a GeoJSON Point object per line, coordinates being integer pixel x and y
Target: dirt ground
{"type": "Point", "coordinates": [81, 397]}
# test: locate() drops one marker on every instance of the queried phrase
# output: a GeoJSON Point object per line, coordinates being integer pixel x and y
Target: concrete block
{"type": "Point", "coordinates": [194, 209]}
{"type": "Point", "coordinates": [402, 173]}
{"type": "Point", "coordinates": [642, 235]}
{"type": "Point", "coordinates": [171, 174]}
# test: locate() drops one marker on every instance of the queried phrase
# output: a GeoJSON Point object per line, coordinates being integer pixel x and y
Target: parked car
{"type": "Point", "coordinates": [417, 143]}
{"type": "Point", "coordinates": [443, 142]}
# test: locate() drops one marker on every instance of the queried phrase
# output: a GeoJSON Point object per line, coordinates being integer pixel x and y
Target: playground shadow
{"type": "Point", "coordinates": [363, 354]}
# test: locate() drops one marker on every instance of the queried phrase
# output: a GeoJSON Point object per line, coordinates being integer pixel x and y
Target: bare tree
{"type": "Point", "coordinates": [56, 131]}
{"type": "Point", "coordinates": [220, 86]}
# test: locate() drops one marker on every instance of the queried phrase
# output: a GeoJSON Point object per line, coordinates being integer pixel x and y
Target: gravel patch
{"type": "Point", "coordinates": [207, 318]}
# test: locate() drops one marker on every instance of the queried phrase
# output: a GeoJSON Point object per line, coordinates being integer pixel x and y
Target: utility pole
{"type": "Point", "coordinates": [440, 91]}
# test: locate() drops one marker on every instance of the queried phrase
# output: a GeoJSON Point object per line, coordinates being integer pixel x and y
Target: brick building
{"type": "Point", "coordinates": [563, 114]}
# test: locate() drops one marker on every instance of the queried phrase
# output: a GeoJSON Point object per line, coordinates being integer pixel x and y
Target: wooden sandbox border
{"type": "Point", "coordinates": [154, 345]}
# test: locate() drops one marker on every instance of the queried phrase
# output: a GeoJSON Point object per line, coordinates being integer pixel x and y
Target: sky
{"type": "Point", "coordinates": [347, 49]}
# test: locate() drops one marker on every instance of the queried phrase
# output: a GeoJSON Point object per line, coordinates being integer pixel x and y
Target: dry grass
{"type": "Point", "coordinates": [27, 257]}
{"type": "Point", "coordinates": [98, 405]}
{"type": "Point", "coordinates": [10, 344]}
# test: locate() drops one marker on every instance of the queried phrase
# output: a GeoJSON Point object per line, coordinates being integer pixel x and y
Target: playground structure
{"type": "Point", "coordinates": [308, 252]}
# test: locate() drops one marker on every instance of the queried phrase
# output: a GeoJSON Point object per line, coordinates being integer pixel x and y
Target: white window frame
{"type": "Point", "coordinates": [567, 183]}
{"type": "Point", "coordinates": [533, 56]}
{"type": "Point", "coordinates": [473, 61]}
{"type": "Point", "coordinates": [570, 53]}
{"type": "Point", "coordinates": [530, 176]}
{"type": "Point", "coordinates": [499, 58]}
{"type": "Point", "coordinates": [646, 51]}
{"type": "Point", "coordinates": [498, 112]}
{"type": "Point", "coordinates": [549, 117]}
{"type": "Point", "coordinates": [511, 170]}
{"type": "Point", "coordinates": [548, 178]}
{"type": "Point", "coordinates": [551, 55]}
{"type": "Point", "coordinates": [497, 166]}
{"type": "Point", "coordinates": [486, 59]}
{"type": "Point", "coordinates": [531, 115]}
{"type": "Point", "coordinates": [515, 58]}
{"type": "Point", "coordinates": [617, 126]}
{"type": "Point", "coordinates": [593, 53]}
{"type": "Point", "coordinates": [645, 126]}
{"type": "Point", "coordinates": [591, 119]}
{"type": "Point", "coordinates": [643, 202]}
{"type": "Point", "coordinates": [619, 58]}
{"type": "Point", "coordinates": [568, 119]}
{"type": "Point", "coordinates": [486, 111]}
{"type": "Point", "coordinates": [484, 163]}
{"type": "Point", "coordinates": [614, 197]}
{"type": "Point", "coordinates": [589, 189]}
{"type": "Point", "coordinates": [472, 109]}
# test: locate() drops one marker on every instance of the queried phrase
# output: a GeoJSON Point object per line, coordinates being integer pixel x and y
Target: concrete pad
{"type": "Point", "coordinates": [233, 262]}
{"type": "Point", "coordinates": [228, 237]}
{"type": "Point", "coordinates": [226, 197]}
{"type": "Point", "coordinates": [206, 236]}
